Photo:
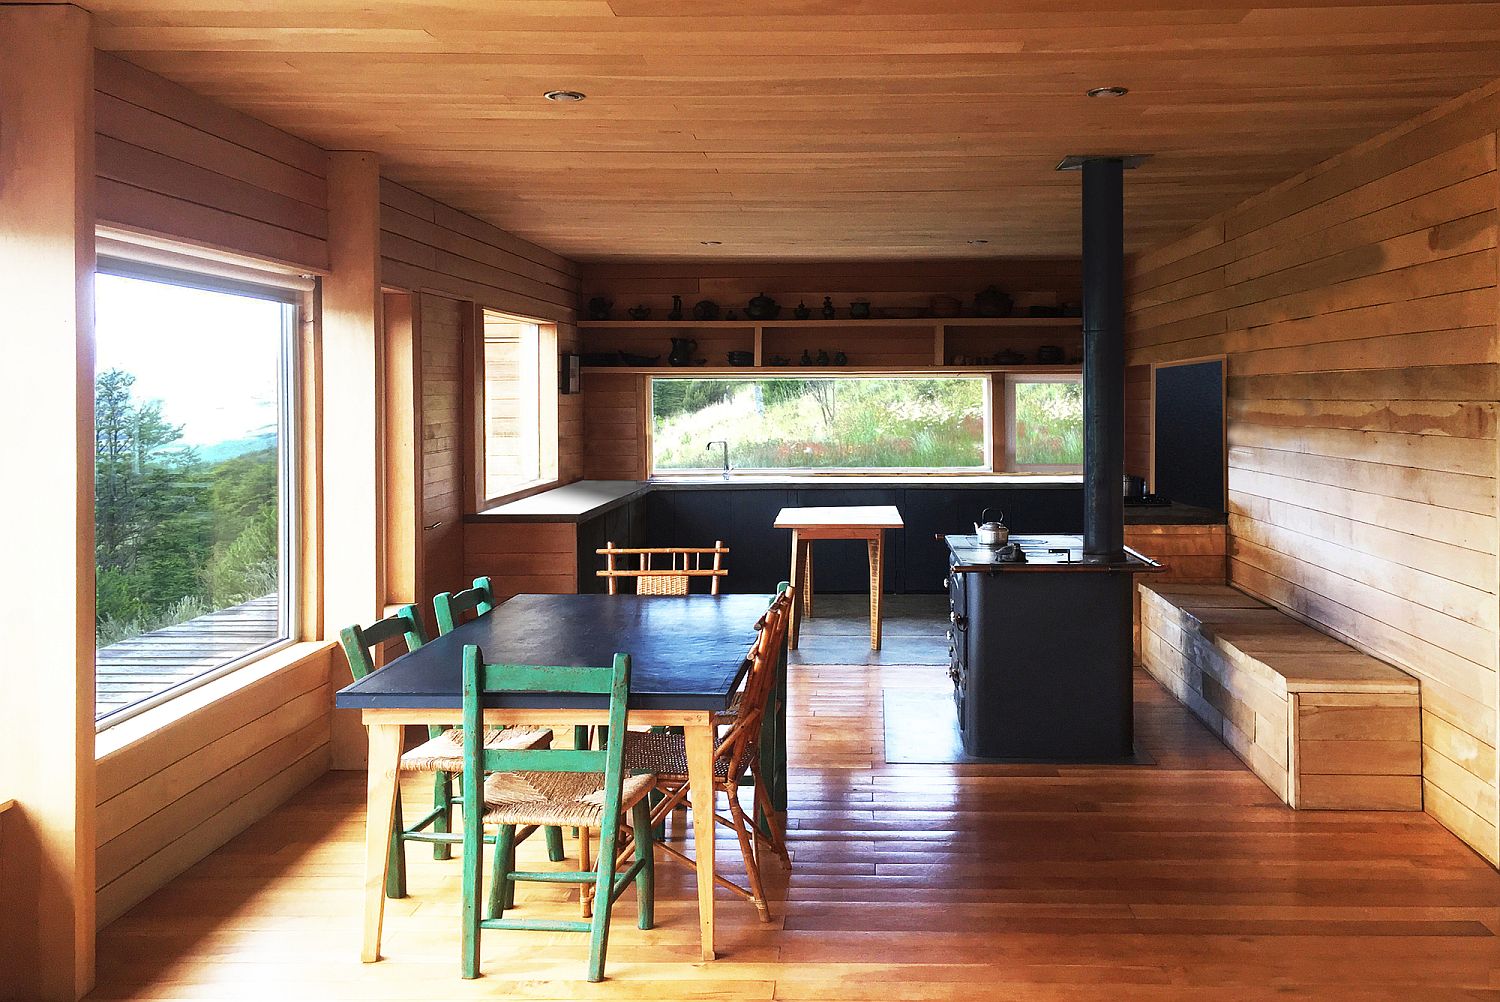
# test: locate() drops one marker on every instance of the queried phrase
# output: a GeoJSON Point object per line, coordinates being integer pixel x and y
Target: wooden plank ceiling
{"type": "Point", "coordinates": [806, 129]}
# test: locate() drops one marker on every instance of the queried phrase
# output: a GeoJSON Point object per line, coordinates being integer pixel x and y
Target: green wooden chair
{"type": "Point", "coordinates": [449, 606]}
{"type": "Point", "coordinates": [583, 788]}
{"type": "Point", "coordinates": [441, 754]}
{"type": "Point", "coordinates": [479, 599]}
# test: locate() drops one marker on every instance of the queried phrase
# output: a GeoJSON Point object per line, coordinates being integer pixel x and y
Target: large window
{"type": "Point", "coordinates": [519, 383]}
{"type": "Point", "coordinates": [193, 479]}
{"type": "Point", "coordinates": [848, 423]}
{"type": "Point", "coordinates": [1044, 427]}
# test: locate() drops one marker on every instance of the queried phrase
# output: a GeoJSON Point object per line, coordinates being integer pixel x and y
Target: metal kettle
{"type": "Point", "coordinates": [991, 533]}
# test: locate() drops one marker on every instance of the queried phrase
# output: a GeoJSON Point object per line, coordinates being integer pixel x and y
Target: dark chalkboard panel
{"type": "Point", "coordinates": [1190, 434]}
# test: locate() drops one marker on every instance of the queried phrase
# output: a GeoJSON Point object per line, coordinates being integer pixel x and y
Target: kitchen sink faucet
{"type": "Point", "coordinates": [726, 454]}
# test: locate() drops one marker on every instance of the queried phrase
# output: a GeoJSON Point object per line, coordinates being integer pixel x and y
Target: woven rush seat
{"type": "Point", "coordinates": [664, 755]}
{"type": "Point", "coordinates": [554, 798]}
{"type": "Point", "coordinates": [445, 753]}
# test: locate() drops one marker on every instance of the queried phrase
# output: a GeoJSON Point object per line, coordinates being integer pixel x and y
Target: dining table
{"type": "Point", "coordinates": [688, 655]}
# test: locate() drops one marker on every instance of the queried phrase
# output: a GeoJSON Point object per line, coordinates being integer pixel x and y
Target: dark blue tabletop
{"type": "Point", "coordinates": [686, 653]}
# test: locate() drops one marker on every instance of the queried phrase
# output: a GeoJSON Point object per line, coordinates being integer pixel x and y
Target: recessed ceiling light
{"type": "Point", "coordinates": [711, 243]}
{"type": "Point", "coordinates": [976, 243]}
{"type": "Point", "coordinates": [1108, 91]}
{"type": "Point", "coordinates": [565, 96]}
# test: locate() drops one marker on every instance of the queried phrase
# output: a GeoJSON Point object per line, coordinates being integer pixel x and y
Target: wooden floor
{"type": "Point", "coordinates": [143, 666]}
{"type": "Point", "coordinates": [1186, 879]}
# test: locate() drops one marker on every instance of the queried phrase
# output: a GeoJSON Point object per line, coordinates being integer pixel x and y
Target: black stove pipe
{"type": "Point", "coordinates": [1103, 359]}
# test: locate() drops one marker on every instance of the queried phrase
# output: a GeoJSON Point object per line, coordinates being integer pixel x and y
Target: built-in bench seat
{"type": "Point", "coordinates": [1322, 724]}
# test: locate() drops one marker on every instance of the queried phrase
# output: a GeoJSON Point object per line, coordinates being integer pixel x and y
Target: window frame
{"type": "Point", "coordinates": [293, 298]}
{"type": "Point", "coordinates": [476, 401]}
{"type": "Point", "coordinates": [987, 443]}
{"type": "Point", "coordinates": [1008, 443]}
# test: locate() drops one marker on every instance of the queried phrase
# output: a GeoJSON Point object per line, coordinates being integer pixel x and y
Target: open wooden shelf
{"type": "Point", "coordinates": [810, 371]}
{"type": "Point", "coordinates": [888, 345]}
{"type": "Point", "coordinates": [688, 324]}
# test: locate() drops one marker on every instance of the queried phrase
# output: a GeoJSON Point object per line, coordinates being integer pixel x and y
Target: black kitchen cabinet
{"type": "Point", "coordinates": [759, 556]}
{"type": "Point", "coordinates": [622, 526]}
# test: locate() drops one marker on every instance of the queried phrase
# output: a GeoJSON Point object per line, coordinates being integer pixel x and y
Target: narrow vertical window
{"type": "Point", "coordinates": [514, 389]}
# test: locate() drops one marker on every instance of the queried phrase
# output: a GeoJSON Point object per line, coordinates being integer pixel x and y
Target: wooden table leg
{"type": "Point", "coordinates": [794, 625]}
{"type": "Point", "coordinates": [700, 755]}
{"type": "Point", "coordinates": [877, 585]}
{"type": "Point", "coordinates": [380, 812]}
{"type": "Point", "coordinates": [807, 580]}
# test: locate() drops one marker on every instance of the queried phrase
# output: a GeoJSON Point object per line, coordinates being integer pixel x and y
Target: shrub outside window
{"type": "Point", "coordinates": [1044, 424]}
{"type": "Point", "coordinates": [823, 424]}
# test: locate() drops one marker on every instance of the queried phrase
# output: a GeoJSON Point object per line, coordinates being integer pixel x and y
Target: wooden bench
{"type": "Point", "coordinates": [1323, 725]}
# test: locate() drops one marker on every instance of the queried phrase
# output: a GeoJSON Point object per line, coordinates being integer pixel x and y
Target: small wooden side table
{"type": "Point", "coordinates": [867, 522]}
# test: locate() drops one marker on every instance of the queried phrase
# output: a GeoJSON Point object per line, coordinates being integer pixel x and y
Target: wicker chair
{"type": "Point", "coordinates": [683, 563]}
{"type": "Point", "coordinates": [441, 754]}
{"type": "Point", "coordinates": [736, 755]}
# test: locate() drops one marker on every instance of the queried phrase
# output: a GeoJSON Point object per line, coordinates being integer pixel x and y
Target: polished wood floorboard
{"type": "Point", "coordinates": [1185, 879]}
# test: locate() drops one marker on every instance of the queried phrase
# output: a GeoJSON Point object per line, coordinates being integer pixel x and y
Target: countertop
{"type": "Point", "coordinates": [586, 499]}
{"type": "Point", "coordinates": [970, 557]}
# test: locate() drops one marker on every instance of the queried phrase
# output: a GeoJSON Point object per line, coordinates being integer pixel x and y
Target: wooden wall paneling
{"type": "Point", "coordinates": [353, 416]}
{"type": "Point", "coordinates": [47, 899]}
{"type": "Point", "coordinates": [235, 748]}
{"type": "Point", "coordinates": [1357, 306]}
{"type": "Point", "coordinates": [442, 508]}
{"type": "Point", "coordinates": [175, 164]}
{"type": "Point", "coordinates": [523, 557]}
{"type": "Point", "coordinates": [614, 433]}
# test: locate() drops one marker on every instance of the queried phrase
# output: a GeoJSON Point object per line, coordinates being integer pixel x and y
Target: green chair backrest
{"type": "Point", "coordinates": [481, 678]}
{"type": "Point", "coordinates": [359, 641]}
{"type": "Point", "coordinates": [448, 605]}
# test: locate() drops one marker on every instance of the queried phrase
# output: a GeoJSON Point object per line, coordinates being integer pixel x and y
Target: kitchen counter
{"type": "Point", "coordinates": [583, 500]}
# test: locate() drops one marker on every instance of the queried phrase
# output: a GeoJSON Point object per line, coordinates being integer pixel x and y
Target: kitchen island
{"type": "Point", "coordinates": [1040, 650]}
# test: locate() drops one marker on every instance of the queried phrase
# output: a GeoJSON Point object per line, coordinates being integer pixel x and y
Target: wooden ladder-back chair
{"type": "Point", "coordinates": [736, 756]}
{"type": "Point", "coordinates": [441, 754]}
{"type": "Point", "coordinates": [683, 563]}
{"type": "Point", "coordinates": [583, 788]}
{"type": "Point", "coordinates": [479, 599]}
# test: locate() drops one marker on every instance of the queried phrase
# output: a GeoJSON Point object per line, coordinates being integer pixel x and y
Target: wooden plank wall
{"type": "Point", "coordinates": [233, 753]}
{"type": "Point", "coordinates": [451, 259]}
{"type": "Point", "coordinates": [174, 164]}
{"type": "Point", "coordinates": [441, 523]}
{"type": "Point", "coordinates": [613, 412]}
{"type": "Point", "coordinates": [534, 557]}
{"type": "Point", "coordinates": [1357, 306]}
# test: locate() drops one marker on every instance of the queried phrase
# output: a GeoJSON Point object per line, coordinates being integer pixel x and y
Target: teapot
{"type": "Point", "coordinates": [762, 307]}
{"type": "Point", "coordinates": [682, 351]}
{"type": "Point", "coordinates": [991, 533]}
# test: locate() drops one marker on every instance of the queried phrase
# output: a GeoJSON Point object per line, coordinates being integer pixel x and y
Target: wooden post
{"type": "Point", "coordinates": [403, 451]}
{"type": "Point", "coordinates": [354, 588]}
{"type": "Point", "coordinates": [47, 401]}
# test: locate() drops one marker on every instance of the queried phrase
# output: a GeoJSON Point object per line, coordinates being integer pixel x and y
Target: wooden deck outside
{"type": "Point", "coordinates": [153, 662]}
{"type": "Point", "coordinates": [1184, 879]}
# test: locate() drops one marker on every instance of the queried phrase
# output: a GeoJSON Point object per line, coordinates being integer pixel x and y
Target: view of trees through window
{"type": "Point", "coordinates": [186, 479]}
{"type": "Point", "coordinates": [843, 423]}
